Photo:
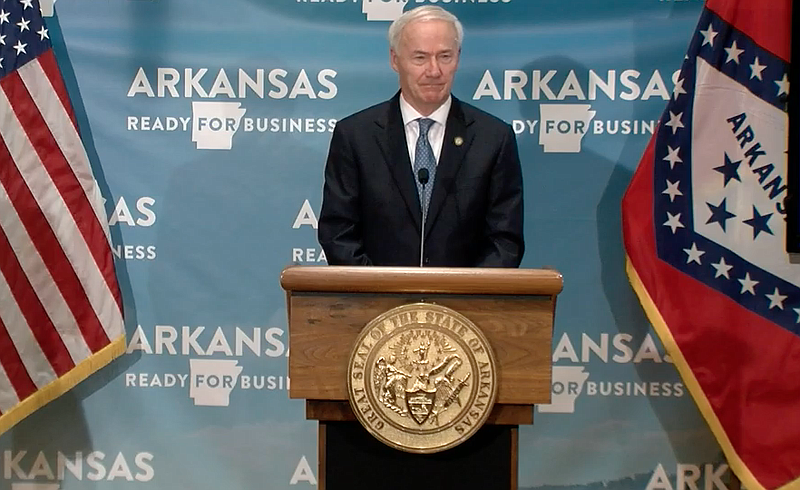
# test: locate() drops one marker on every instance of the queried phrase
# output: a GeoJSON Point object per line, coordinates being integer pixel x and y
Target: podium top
{"type": "Point", "coordinates": [427, 280]}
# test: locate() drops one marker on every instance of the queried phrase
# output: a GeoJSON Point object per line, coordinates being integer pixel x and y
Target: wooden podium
{"type": "Point", "coordinates": [328, 307]}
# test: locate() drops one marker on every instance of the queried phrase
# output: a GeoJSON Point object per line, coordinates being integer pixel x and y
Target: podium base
{"type": "Point", "coordinates": [350, 457]}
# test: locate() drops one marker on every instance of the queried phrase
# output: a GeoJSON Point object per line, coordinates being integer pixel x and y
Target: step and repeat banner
{"type": "Point", "coordinates": [208, 123]}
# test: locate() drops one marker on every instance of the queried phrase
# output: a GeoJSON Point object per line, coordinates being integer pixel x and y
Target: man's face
{"type": "Point", "coordinates": [426, 60]}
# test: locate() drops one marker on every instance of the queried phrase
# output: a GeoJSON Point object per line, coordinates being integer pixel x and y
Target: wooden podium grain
{"type": "Point", "coordinates": [327, 308]}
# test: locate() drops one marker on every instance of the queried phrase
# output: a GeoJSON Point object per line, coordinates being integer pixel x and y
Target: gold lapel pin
{"type": "Point", "coordinates": [459, 141]}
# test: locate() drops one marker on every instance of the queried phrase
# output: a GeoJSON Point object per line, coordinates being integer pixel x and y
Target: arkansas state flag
{"type": "Point", "coordinates": [704, 232]}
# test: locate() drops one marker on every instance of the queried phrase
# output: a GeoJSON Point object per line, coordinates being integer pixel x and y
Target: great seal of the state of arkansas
{"type": "Point", "coordinates": [422, 378]}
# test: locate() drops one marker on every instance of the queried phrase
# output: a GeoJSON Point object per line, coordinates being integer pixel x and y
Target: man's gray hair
{"type": "Point", "coordinates": [423, 14]}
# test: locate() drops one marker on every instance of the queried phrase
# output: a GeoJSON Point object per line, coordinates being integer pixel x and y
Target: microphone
{"type": "Point", "coordinates": [422, 176]}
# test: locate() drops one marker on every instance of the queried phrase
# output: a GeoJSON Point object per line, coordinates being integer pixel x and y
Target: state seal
{"type": "Point", "coordinates": [422, 378]}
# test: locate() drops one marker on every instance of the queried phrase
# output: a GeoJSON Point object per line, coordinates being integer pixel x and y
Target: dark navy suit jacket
{"type": "Point", "coordinates": [371, 211]}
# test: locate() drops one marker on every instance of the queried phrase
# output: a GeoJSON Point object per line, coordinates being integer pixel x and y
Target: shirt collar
{"type": "Point", "coordinates": [410, 114]}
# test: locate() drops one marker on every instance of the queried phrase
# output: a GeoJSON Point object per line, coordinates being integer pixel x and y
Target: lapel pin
{"type": "Point", "coordinates": [459, 141]}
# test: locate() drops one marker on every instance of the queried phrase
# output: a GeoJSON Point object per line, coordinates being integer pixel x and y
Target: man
{"type": "Point", "coordinates": [465, 182]}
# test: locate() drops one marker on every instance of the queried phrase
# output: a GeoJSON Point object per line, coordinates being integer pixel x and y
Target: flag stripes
{"type": "Point", "coordinates": [16, 383]}
{"type": "Point", "coordinates": [45, 168]}
{"type": "Point", "coordinates": [60, 304]}
{"type": "Point", "coordinates": [47, 62]}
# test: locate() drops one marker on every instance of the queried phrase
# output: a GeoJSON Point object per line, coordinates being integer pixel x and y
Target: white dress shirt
{"type": "Point", "coordinates": [435, 133]}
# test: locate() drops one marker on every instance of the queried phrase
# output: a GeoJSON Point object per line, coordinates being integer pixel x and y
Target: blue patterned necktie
{"type": "Point", "coordinates": [423, 158]}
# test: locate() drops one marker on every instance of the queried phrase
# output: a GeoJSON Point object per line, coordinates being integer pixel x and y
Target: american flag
{"type": "Point", "coordinates": [60, 304]}
{"type": "Point", "coordinates": [704, 233]}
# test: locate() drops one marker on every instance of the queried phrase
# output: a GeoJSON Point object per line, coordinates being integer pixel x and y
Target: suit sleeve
{"type": "Point", "coordinates": [503, 244]}
{"type": "Point", "coordinates": [339, 230]}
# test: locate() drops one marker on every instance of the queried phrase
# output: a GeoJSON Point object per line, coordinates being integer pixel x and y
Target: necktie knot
{"type": "Point", "coordinates": [425, 125]}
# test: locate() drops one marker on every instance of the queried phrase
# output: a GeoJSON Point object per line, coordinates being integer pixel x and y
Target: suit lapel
{"type": "Point", "coordinates": [392, 142]}
{"type": "Point", "coordinates": [457, 140]}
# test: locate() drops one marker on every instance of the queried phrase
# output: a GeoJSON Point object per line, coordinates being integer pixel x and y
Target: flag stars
{"type": "Point", "coordinates": [797, 311]}
{"type": "Point", "coordinates": [708, 36]}
{"type": "Point", "coordinates": [722, 268]}
{"type": "Point", "coordinates": [759, 223]}
{"type": "Point", "coordinates": [733, 53]}
{"type": "Point", "coordinates": [783, 85]}
{"type": "Point", "coordinates": [27, 4]}
{"type": "Point", "coordinates": [20, 47]}
{"type": "Point", "coordinates": [672, 190]}
{"type": "Point", "coordinates": [748, 284]}
{"type": "Point", "coordinates": [42, 34]}
{"type": "Point", "coordinates": [693, 254]}
{"type": "Point", "coordinates": [3, 39]}
{"type": "Point", "coordinates": [4, 17]}
{"type": "Point", "coordinates": [678, 90]}
{"type": "Point", "coordinates": [674, 121]}
{"type": "Point", "coordinates": [719, 214]}
{"type": "Point", "coordinates": [23, 25]}
{"type": "Point", "coordinates": [756, 69]}
{"type": "Point", "coordinates": [674, 221]}
{"type": "Point", "coordinates": [730, 170]}
{"type": "Point", "coordinates": [672, 156]}
{"type": "Point", "coordinates": [776, 299]}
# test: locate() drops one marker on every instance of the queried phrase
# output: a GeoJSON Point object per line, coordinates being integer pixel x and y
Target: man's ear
{"type": "Point", "coordinates": [393, 59]}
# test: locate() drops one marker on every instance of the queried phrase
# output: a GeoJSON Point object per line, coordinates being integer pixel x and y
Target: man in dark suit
{"type": "Point", "coordinates": [465, 182]}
